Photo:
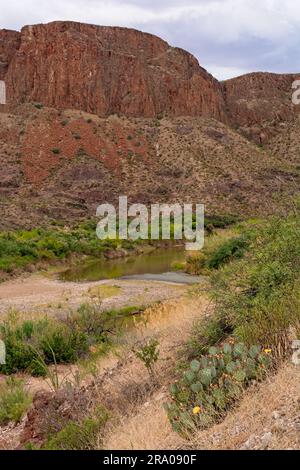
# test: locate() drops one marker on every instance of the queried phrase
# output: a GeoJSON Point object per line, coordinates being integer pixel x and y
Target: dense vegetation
{"type": "Point", "coordinates": [31, 345]}
{"type": "Point", "coordinates": [22, 248]}
{"type": "Point", "coordinates": [257, 308]}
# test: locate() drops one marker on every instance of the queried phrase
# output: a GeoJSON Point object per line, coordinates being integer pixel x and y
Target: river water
{"type": "Point", "coordinates": [158, 265]}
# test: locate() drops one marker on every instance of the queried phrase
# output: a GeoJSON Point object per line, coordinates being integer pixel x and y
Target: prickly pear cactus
{"type": "Point", "coordinates": [213, 382]}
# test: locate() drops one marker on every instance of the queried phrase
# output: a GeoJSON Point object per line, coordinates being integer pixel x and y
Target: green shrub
{"type": "Point", "coordinates": [220, 221]}
{"type": "Point", "coordinates": [95, 322]}
{"type": "Point", "coordinates": [65, 344]}
{"type": "Point", "coordinates": [206, 333]}
{"type": "Point", "coordinates": [217, 252]}
{"type": "Point", "coordinates": [30, 341]}
{"type": "Point", "coordinates": [213, 383]}
{"type": "Point", "coordinates": [258, 295]}
{"type": "Point", "coordinates": [14, 401]}
{"type": "Point", "coordinates": [233, 248]}
{"type": "Point", "coordinates": [20, 356]}
{"type": "Point", "coordinates": [31, 345]}
{"type": "Point", "coordinates": [80, 436]}
{"type": "Point", "coordinates": [148, 354]}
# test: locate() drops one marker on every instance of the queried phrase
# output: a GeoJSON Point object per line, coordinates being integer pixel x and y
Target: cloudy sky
{"type": "Point", "coordinates": [229, 37]}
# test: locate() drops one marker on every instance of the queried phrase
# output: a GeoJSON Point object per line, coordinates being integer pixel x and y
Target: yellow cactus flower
{"type": "Point", "coordinates": [196, 410]}
{"type": "Point", "coordinates": [267, 351]}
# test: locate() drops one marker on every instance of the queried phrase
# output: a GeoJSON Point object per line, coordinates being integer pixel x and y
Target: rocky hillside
{"type": "Point", "coordinates": [260, 104]}
{"type": "Point", "coordinates": [62, 165]}
{"type": "Point", "coordinates": [94, 112]}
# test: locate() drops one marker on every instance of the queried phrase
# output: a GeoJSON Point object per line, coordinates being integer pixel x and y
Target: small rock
{"type": "Point", "coordinates": [159, 397]}
{"type": "Point", "coordinates": [249, 443]}
{"type": "Point", "coordinates": [279, 426]}
{"type": "Point", "coordinates": [266, 439]}
{"type": "Point", "coordinates": [276, 415]}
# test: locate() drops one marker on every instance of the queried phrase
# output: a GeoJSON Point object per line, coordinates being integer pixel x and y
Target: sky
{"type": "Point", "coordinates": [228, 37]}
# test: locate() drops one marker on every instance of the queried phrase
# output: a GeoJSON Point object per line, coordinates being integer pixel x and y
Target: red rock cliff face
{"type": "Point", "coordinates": [9, 44]}
{"type": "Point", "coordinates": [258, 104]}
{"type": "Point", "coordinates": [107, 70]}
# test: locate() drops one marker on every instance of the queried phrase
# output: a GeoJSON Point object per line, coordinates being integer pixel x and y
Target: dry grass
{"type": "Point", "coordinates": [149, 428]}
{"type": "Point", "coordinates": [104, 291]}
{"type": "Point", "coordinates": [141, 422]}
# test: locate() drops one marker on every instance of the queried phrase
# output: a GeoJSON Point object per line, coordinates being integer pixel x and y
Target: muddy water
{"type": "Point", "coordinates": [157, 265]}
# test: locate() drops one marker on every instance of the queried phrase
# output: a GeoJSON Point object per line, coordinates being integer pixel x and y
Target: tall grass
{"type": "Point", "coordinates": [14, 401]}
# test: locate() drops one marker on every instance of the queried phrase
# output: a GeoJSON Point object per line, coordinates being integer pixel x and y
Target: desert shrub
{"type": "Point", "coordinates": [220, 221]}
{"type": "Point", "coordinates": [28, 344]}
{"type": "Point", "coordinates": [20, 355]}
{"type": "Point", "coordinates": [14, 401]}
{"type": "Point", "coordinates": [84, 435]}
{"type": "Point", "coordinates": [258, 295]}
{"type": "Point", "coordinates": [96, 323]}
{"type": "Point", "coordinates": [219, 251]}
{"type": "Point", "coordinates": [148, 354]}
{"type": "Point", "coordinates": [213, 383]}
{"type": "Point", "coordinates": [22, 248]}
{"type": "Point", "coordinates": [31, 345]}
{"type": "Point", "coordinates": [65, 344]}
{"type": "Point", "coordinates": [206, 333]}
{"type": "Point", "coordinates": [195, 264]}
{"type": "Point", "coordinates": [233, 248]}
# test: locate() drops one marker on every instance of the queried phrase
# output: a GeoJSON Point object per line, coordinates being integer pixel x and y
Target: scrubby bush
{"type": "Point", "coordinates": [84, 435]}
{"type": "Point", "coordinates": [22, 248]}
{"type": "Point", "coordinates": [14, 401]}
{"type": "Point", "coordinates": [213, 383]}
{"type": "Point", "coordinates": [148, 354]}
{"type": "Point", "coordinates": [31, 345]}
{"type": "Point", "coordinates": [231, 249]}
{"type": "Point", "coordinates": [219, 251]}
{"type": "Point", "coordinates": [259, 296]}
{"type": "Point", "coordinates": [20, 355]}
{"type": "Point", "coordinates": [206, 333]}
{"type": "Point", "coordinates": [220, 221]}
{"type": "Point", "coordinates": [65, 344]}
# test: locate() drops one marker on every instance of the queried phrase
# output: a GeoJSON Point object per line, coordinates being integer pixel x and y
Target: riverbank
{"type": "Point", "coordinates": [43, 293]}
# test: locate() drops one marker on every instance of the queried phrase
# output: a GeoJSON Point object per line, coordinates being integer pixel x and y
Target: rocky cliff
{"type": "Point", "coordinates": [259, 104]}
{"type": "Point", "coordinates": [94, 112]}
{"type": "Point", "coordinates": [9, 44]}
{"type": "Point", "coordinates": [111, 70]}
{"type": "Point", "coordinates": [106, 70]}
